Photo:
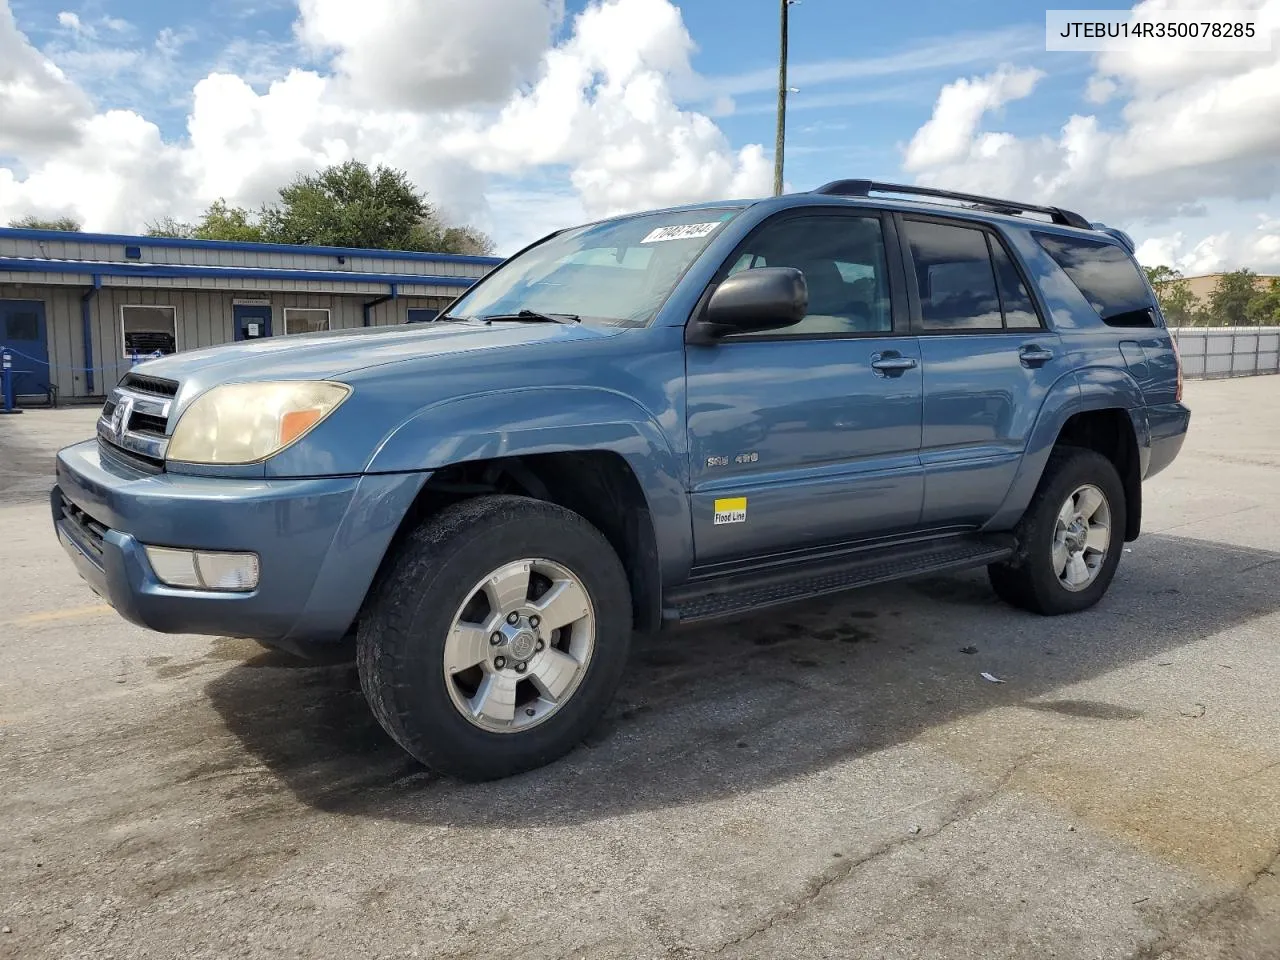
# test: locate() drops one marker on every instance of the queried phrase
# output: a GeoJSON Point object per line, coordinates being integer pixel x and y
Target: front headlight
{"type": "Point", "coordinates": [248, 422]}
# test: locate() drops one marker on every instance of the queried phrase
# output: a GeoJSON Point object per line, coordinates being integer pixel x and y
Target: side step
{"type": "Point", "coordinates": [736, 594]}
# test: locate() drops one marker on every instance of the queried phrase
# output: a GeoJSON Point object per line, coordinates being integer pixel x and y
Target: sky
{"type": "Point", "coordinates": [522, 116]}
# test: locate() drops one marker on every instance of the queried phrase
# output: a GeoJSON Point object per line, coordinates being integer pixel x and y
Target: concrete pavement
{"type": "Point", "coordinates": [832, 780]}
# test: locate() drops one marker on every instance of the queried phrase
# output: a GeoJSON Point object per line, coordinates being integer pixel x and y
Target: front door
{"type": "Point", "coordinates": [809, 435]}
{"type": "Point", "coordinates": [989, 363]}
{"type": "Point", "coordinates": [253, 321]}
{"type": "Point", "coordinates": [23, 331]}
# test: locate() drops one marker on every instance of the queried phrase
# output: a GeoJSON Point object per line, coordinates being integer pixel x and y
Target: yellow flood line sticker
{"type": "Point", "coordinates": [731, 510]}
{"type": "Point", "coordinates": [51, 616]}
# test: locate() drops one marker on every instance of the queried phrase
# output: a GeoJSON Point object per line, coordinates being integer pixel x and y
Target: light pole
{"type": "Point", "coordinates": [780, 146]}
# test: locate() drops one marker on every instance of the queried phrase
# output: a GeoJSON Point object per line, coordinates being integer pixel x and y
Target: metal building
{"type": "Point", "coordinates": [76, 309]}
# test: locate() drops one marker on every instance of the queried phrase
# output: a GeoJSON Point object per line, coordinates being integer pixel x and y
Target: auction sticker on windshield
{"type": "Point", "coordinates": [683, 231]}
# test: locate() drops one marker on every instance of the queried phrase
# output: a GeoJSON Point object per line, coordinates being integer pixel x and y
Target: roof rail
{"type": "Point", "coordinates": [863, 188]}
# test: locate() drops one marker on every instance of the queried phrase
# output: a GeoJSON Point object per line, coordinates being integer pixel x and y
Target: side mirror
{"type": "Point", "coordinates": [766, 298]}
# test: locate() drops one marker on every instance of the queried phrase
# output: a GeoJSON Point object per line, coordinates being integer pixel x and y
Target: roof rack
{"type": "Point", "coordinates": [863, 188]}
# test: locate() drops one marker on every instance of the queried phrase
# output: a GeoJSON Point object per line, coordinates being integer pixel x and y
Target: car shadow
{"type": "Point", "coordinates": [710, 712]}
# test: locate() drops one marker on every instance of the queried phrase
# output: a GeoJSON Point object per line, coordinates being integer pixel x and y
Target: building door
{"type": "Point", "coordinates": [253, 320]}
{"type": "Point", "coordinates": [23, 331]}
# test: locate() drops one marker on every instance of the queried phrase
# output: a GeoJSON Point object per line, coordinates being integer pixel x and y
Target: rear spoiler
{"type": "Point", "coordinates": [1126, 241]}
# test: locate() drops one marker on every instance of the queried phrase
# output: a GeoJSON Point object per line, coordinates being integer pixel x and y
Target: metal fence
{"type": "Point", "coordinates": [1211, 352]}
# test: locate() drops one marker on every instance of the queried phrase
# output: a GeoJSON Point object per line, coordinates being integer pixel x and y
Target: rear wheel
{"type": "Point", "coordinates": [497, 637]}
{"type": "Point", "coordinates": [1069, 540]}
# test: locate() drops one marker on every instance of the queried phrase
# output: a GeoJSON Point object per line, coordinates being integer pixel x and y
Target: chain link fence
{"type": "Point", "coordinates": [1213, 352]}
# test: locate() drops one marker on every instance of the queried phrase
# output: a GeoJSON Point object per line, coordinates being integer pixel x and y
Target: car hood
{"type": "Point", "coordinates": [323, 356]}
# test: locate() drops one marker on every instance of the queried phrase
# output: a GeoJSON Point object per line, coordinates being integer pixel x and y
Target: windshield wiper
{"type": "Point", "coordinates": [533, 316]}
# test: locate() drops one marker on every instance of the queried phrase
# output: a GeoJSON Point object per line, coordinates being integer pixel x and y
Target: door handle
{"type": "Point", "coordinates": [891, 365]}
{"type": "Point", "coordinates": [1034, 356]}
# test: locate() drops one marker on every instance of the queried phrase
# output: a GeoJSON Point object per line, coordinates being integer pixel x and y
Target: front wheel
{"type": "Point", "coordinates": [1069, 540]}
{"type": "Point", "coordinates": [497, 637]}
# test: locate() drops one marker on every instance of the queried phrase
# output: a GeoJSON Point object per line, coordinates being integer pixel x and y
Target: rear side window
{"type": "Point", "coordinates": [955, 277]}
{"type": "Point", "coordinates": [1106, 276]}
{"type": "Point", "coordinates": [1019, 311]}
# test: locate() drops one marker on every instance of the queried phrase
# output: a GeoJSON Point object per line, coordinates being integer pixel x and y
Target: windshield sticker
{"type": "Point", "coordinates": [683, 231]}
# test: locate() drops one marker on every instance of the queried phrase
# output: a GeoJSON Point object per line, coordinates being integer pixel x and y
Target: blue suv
{"type": "Point", "coordinates": [645, 421]}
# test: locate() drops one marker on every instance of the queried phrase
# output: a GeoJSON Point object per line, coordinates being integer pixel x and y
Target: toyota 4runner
{"type": "Point", "coordinates": [653, 419]}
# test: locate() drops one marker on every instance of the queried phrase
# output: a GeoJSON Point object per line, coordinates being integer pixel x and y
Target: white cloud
{"type": "Point", "coordinates": [604, 106]}
{"type": "Point", "coordinates": [39, 107]}
{"type": "Point", "coordinates": [71, 21]}
{"type": "Point", "coordinates": [961, 105]}
{"type": "Point", "coordinates": [410, 54]}
{"type": "Point", "coordinates": [594, 113]}
{"type": "Point", "coordinates": [1194, 128]}
{"type": "Point", "coordinates": [119, 171]}
{"type": "Point", "coordinates": [1258, 249]}
{"type": "Point", "coordinates": [962, 50]}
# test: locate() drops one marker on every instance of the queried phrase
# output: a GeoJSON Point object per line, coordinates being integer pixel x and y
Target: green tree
{"type": "Point", "coordinates": [1230, 299]}
{"type": "Point", "coordinates": [170, 228]}
{"type": "Point", "coordinates": [351, 205]}
{"type": "Point", "coordinates": [467, 241]}
{"type": "Point", "coordinates": [348, 205]}
{"type": "Point", "coordinates": [1264, 308]}
{"type": "Point", "coordinates": [1178, 304]}
{"type": "Point", "coordinates": [65, 224]}
{"type": "Point", "coordinates": [219, 222]}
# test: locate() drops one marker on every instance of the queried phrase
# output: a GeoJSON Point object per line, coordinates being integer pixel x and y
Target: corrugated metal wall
{"type": "Point", "coordinates": [203, 319]}
{"type": "Point", "coordinates": [283, 257]}
{"type": "Point", "coordinates": [1211, 352]}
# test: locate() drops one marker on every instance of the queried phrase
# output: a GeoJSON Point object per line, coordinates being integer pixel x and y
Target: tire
{"type": "Point", "coordinates": [1031, 580]}
{"type": "Point", "coordinates": [421, 602]}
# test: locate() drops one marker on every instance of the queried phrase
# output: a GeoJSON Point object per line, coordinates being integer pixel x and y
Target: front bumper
{"type": "Point", "coordinates": [319, 543]}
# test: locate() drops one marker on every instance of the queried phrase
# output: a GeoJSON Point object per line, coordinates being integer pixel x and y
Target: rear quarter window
{"type": "Point", "coordinates": [1106, 275]}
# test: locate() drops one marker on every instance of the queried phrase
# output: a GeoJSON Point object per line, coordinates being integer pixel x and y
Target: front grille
{"type": "Point", "coordinates": [134, 424]}
{"type": "Point", "coordinates": [146, 423]}
{"type": "Point", "coordinates": [84, 529]}
{"type": "Point", "coordinates": [137, 462]}
{"type": "Point", "coordinates": [144, 384]}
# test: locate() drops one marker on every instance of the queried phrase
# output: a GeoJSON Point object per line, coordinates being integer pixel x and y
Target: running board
{"type": "Point", "coordinates": [736, 594]}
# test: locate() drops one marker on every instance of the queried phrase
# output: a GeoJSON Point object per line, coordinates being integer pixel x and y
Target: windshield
{"type": "Point", "coordinates": [617, 273]}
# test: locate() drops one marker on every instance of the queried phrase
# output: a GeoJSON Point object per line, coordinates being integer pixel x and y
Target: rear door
{"type": "Point", "coordinates": [988, 361]}
{"type": "Point", "coordinates": [810, 435]}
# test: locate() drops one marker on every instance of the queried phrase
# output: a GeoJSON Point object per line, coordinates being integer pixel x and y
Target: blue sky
{"type": "Point", "coordinates": [838, 125]}
{"type": "Point", "coordinates": [869, 78]}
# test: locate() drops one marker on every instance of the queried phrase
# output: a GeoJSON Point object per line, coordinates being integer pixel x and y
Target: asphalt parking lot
{"type": "Point", "coordinates": [827, 781]}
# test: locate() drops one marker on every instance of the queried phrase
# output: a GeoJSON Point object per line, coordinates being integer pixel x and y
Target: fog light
{"type": "Point", "coordinates": [177, 568]}
{"type": "Point", "coordinates": [228, 571]}
{"type": "Point", "coordinates": [204, 570]}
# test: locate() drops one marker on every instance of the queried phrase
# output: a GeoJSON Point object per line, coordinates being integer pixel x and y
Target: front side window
{"type": "Point", "coordinates": [616, 273]}
{"type": "Point", "coordinates": [843, 262]}
{"type": "Point", "coordinates": [1106, 275]}
{"type": "Point", "coordinates": [148, 330]}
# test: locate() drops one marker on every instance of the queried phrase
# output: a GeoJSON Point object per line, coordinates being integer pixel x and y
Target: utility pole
{"type": "Point", "coordinates": [779, 150]}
